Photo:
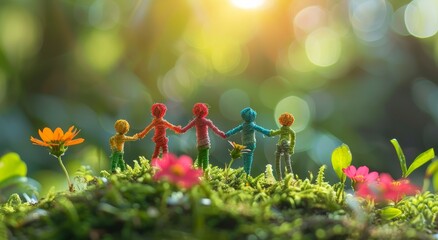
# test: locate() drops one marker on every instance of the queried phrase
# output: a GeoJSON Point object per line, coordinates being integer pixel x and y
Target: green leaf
{"type": "Point", "coordinates": [341, 158]}
{"type": "Point", "coordinates": [389, 213]}
{"type": "Point", "coordinates": [435, 182]}
{"type": "Point", "coordinates": [401, 156]}
{"type": "Point", "coordinates": [12, 165]}
{"type": "Point", "coordinates": [18, 184]}
{"type": "Point", "coordinates": [421, 160]}
{"type": "Point", "coordinates": [431, 169]}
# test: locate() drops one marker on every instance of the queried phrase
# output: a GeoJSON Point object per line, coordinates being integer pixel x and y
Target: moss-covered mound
{"type": "Point", "coordinates": [226, 205]}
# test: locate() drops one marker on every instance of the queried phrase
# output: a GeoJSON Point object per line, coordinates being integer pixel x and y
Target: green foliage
{"type": "Point", "coordinates": [11, 165]}
{"type": "Point", "coordinates": [341, 158]}
{"type": "Point", "coordinates": [419, 161]}
{"type": "Point", "coordinates": [130, 205]}
{"type": "Point", "coordinates": [389, 213]}
{"type": "Point", "coordinates": [13, 178]}
{"type": "Point", "coordinates": [419, 211]}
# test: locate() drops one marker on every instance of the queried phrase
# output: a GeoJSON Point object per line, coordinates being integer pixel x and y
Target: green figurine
{"type": "Point", "coordinates": [117, 143]}
{"type": "Point", "coordinates": [286, 143]}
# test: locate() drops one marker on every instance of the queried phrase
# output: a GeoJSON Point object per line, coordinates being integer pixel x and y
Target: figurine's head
{"type": "Point", "coordinates": [286, 119]}
{"type": "Point", "coordinates": [200, 110]}
{"type": "Point", "coordinates": [248, 114]}
{"type": "Point", "coordinates": [158, 110]}
{"type": "Point", "coordinates": [121, 126]}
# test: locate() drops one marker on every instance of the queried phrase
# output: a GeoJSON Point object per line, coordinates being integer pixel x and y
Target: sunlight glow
{"type": "Point", "coordinates": [248, 4]}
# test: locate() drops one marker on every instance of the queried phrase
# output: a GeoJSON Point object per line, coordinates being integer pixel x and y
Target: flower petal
{"type": "Point", "coordinates": [38, 142]}
{"type": "Point", "coordinates": [46, 135]}
{"type": "Point", "coordinates": [372, 176]}
{"type": "Point", "coordinates": [74, 142]}
{"type": "Point", "coordinates": [350, 171]}
{"type": "Point", "coordinates": [185, 161]}
{"type": "Point", "coordinates": [58, 134]}
{"type": "Point", "coordinates": [362, 170]}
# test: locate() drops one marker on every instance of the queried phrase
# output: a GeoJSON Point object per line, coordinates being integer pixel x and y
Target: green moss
{"type": "Point", "coordinates": [130, 205]}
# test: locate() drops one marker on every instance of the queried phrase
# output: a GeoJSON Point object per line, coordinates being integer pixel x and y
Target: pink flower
{"type": "Point", "coordinates": [386, 189]}
{"type": "Point", "coordinates": [360, 175]}
{"type": "Point", "coordinates": [176, 170]}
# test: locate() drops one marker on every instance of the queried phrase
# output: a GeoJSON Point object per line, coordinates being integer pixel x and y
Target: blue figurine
{"type": "Point", "coordinates": [248, 128]}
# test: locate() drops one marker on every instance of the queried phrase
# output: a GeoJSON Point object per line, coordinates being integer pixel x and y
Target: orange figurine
{"type": "Point", "coordinates": [158, 110]}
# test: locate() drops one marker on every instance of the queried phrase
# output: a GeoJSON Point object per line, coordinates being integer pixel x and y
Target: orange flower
{"type": "Point", "coordinates": [57, 137]}
{"type": "Point", "coordinates": [57, 141]}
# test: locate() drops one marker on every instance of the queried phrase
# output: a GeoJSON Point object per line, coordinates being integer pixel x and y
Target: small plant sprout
{"type": "Point", "coordinates": [236, 152]}
{"type": "Point", "coordinates": [178, 171]}
{"type": "Point", "coordinates": [360, 175]}
{"type": "Point", "coordinates": [341, 158]}
{"type": "Point", "coordinates": [431, 172]}
{"type": "Point", "coordinates": [419, 161]}
{"type": "Point", "coordinates": [58, 142]}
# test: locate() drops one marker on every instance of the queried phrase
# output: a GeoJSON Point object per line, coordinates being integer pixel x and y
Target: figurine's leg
{"type": "Point", "coordinates": [202, 160]}
{"type": "Point", "coordinates": [156, 151]}
{"type": "Point", "coordinates": [288, 163]}
{"type": "Point", "coordinates": [278, 163]}
{"type": "Point", "coordinates": [248, 157]}
{"type": "Point", "coordinates": [121, 163]}
{"type": "Point", "coordinates": [164, 149]}
{"type": "Point", "coordinates": [113, 159]}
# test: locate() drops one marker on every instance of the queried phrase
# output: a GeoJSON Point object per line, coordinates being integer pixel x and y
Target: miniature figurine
{"type": "Point", "coordinates": [248, 128]}
{"type": "Point", "coordinates": [117, 143]}
{"type": "Point", "coordinates": [286, 143]}
{"type": "Point", "coordinates": [158, 110]}
{"type": "Point", "coordinates": [200, 110]}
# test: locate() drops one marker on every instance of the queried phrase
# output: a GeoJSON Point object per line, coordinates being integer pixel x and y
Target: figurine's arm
{"type": "Point", "coordinates": [146, 130]}
{"type": "Point", "coordinates": [133, 138]}
{"type": "Point", "coordinates": [292, 141]}
{"type": "Point", "coordinates": [275, 132]}
{"type": "Point", "coordinates": [189, 125]}
{"type": "Point", "coordinates": [262, 130]}
{"type": "Point", "coordinates": [234, 130]}
{"type": "Point", "coordinates": [215, 129]}
{"type": "Point", "coordinates": [176, 129]}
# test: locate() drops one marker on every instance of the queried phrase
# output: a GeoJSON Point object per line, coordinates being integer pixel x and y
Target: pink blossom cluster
{"type": "Point", "coordinates": [378, 187]}
{"type": "Point", "coordinates": [178, 171]}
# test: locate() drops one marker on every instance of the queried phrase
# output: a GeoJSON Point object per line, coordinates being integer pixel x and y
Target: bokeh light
{"type": "Point", "coordinates": [421, 17]}
{"type": "Point", "coordinates": [323, 47]}
{"type": "Point", "coordinates": [370, 18]}
{"type": "Point", "coordinates": [100, 50]}
{"type": "Point", "coordinates": [20, 33]}
{"type": "Point", "coordinates": [232, 102]}
{"type": "Point", "coordinates": [297, 107]}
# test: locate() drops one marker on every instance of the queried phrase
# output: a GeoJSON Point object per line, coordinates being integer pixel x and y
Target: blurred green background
{"type": "Point", "coordinates": [354, 71]}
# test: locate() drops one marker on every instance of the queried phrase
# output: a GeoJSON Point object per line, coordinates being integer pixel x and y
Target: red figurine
{"type": "Point", "coordinates": [158, 111]}
{"type": "Point", "coordinates": [200, 110]}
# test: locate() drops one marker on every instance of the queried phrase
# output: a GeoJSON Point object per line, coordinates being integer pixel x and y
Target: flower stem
{"type": "Point", "coordinates": [70, 185]}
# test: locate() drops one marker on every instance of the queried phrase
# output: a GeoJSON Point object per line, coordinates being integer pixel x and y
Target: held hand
{"type": "Point", "coordinates": [136, 137]}
{"type": "Point", "coordinates": [178, 129]}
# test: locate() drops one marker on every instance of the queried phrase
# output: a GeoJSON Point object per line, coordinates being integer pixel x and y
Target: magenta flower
{"type": "Point", "coordinates": [361, 175]}
{"type": "Point", "coordinates": [176, 170]}
{"type": "Point", "coordinates": [386, 189]}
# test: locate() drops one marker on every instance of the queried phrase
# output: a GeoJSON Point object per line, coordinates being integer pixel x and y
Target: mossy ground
{"type": "Point", "coordinates": [226, 205]}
